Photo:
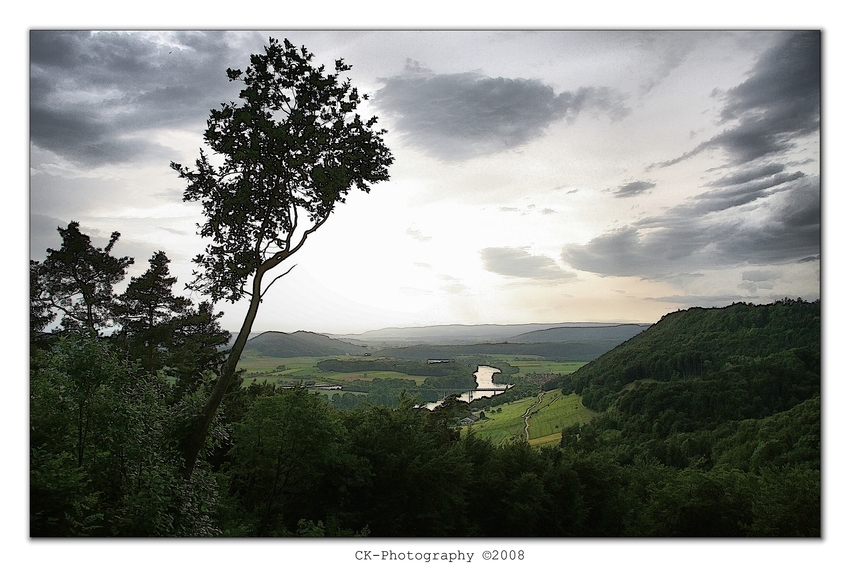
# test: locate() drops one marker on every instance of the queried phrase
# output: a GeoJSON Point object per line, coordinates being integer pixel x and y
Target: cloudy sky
{"type": "Point", "coordinates": [539, 176]}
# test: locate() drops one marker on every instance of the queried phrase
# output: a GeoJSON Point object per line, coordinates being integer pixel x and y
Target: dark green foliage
{"type": "Point", "coordinates": [411, 476]}
{"type": "Point", "coordinates": [787, 503]}
{"type": "Point", "coordinates": [750, 390]}
{"type": "Point", "coordinates": [281, 449]}
{"type": "Point", "coordinates": [712, 448]}
{"type": "Point", "coordinates": [76, 281]}
{"type": "Point", "coordinates": [149, 312]}
{"type": "Point", "coordinates": [689, 343]}
{"type": "Point", "coordinates": [41, 314]}
{"type": "Point", "coordinates": [786, 438]}
{"type": "Point", "coordinates": [103, 457]}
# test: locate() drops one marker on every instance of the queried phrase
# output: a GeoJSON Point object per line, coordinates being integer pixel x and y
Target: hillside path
{"type": "Point", "coordinates": [528, 412]}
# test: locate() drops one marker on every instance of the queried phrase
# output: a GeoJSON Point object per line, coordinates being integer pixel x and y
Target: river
{"type": "Point", "coordinates": [484, 383]}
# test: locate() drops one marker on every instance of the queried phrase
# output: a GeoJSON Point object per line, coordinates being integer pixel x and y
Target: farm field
{"type": "Point", "coordinates": [548, 413]}
{"type": "Point", "coordinates": [539, 365]}
{"type": "Point", "coordinates": [259, 368]}
{"type": "Point", "coordinates": [555, 412]}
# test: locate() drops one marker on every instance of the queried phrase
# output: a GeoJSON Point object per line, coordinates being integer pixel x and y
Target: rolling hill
{"type": "Point", "coordinates": [781, 340]}
{"type": "Point", "coordinates": [579, 351]}
{"type": "Point", "coordinates": [475, 334]}
{"type": "Point", "coordinates": [614, 333]}
{"type": "Point", "coordinates": [567, 341]}
{"type": "Point", "coordinates": [301, 343]}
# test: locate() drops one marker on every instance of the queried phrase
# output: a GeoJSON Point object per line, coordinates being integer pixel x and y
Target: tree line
{"type": "Point", "coordinates": [731, 452]}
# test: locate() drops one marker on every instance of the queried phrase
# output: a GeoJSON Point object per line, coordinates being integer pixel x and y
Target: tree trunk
{"type": "Point", "coordinates": [194, 443]}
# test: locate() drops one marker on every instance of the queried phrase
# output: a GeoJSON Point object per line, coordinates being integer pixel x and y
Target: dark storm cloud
{"type": "Point", "coordinates": [458, 116]}
{"type": "Point", "coordinates": [94, 97]}
{"type": "Point", "coordinates": [759, 213]}
{"type": "Point", "coordinates": [785, 227]}
{"type": "Point", "coordinates": [746, 175]}
{"type": "Point", "coordinates": [778, 104]}
{"type": "Point", "coordinates": [634, 188]}
{"type": "Point", "coordinates": [728, 196]}
{"type": "Point", "coordinates": [517, 263]}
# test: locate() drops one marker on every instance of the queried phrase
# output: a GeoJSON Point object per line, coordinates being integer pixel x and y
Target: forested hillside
{"type": "Point", "coordinates": [716, 412]}
{"type": "Point", "coordinates": [781, 342]}
{"type": "Point", "coordinates": [300, 343]}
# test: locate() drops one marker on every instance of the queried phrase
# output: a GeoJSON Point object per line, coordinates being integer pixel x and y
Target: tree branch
{"type": "Point", "coordinates": [276, 278]}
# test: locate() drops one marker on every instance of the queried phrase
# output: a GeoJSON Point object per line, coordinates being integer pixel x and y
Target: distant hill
{"type": "Point", "coordinates": [614, 333]}
{"type": "Point", "coordinates": [579, 351]}
{"type": "Point", "coordinates": [567, 341]}
{"type": "Point", "coordinates": [301, 343]}
{"type": "Point", "coordinates": [464, 334]}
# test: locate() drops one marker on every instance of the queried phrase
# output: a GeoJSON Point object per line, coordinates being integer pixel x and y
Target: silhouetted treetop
{"type": "Point", "coordinates": [291, 150]}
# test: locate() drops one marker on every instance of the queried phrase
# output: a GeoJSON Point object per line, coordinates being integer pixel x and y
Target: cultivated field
{"type": "Point", "coordinates": [259, 368]}
{"type": "Point", "coordinates": [547, 415]}
{"type": "Point", "coordinates": [539, 365]}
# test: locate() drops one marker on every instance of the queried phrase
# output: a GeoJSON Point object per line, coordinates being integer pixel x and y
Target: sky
{"type": "Point", "coordinates": [540, 176]}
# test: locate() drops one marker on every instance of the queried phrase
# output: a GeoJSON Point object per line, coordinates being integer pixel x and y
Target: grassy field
{"type": "Point", "coordinates": [271, 369]}
{"type": "Point", "coordinates": [538, 365]}
{"type": "Point", "coordinates": [303, 368]}
{"type": "Point", "coordinates": [547, 414]}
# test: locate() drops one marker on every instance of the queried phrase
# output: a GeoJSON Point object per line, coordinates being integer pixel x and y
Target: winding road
{"type": "Point", "coordinates": [531, 409]}
{"type": "Point", "coordinates": [528, 412]}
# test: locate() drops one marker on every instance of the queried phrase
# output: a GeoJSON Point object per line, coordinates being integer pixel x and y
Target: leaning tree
{"type": "Point", "coordinates": [287, 154]}
{"type": "Point", "coordinates": [76, 281]}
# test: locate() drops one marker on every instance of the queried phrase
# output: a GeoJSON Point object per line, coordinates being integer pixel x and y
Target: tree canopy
{"type": "Point", "coordinates": [76, 280]}
{"type": "Point", "coordinates": [289, 153]}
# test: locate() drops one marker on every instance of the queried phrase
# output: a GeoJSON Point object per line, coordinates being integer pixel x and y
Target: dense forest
{"type": "Point", "coordinates": [708, 425]}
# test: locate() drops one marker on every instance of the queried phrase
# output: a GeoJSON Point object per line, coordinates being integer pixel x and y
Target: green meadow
{"type": "Point", "coordinates": [538, 365]}
{"type": "Point", "coordinates": [259, 368]}
{"type": "Point", "coordinates": [548, 414]}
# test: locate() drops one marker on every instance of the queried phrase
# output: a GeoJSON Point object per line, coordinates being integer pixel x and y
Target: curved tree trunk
{"type": "Point", "coordinates": [195, 442]}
